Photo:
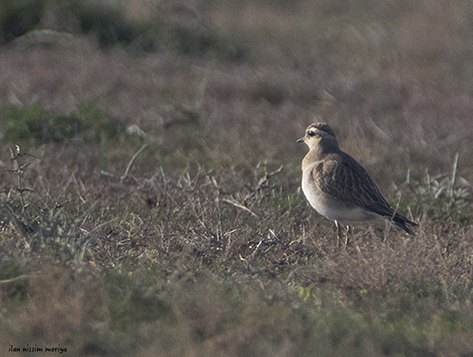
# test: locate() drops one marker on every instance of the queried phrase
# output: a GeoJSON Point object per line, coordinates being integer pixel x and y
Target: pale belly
{"type": "Point", "coordinates": [347, 214]}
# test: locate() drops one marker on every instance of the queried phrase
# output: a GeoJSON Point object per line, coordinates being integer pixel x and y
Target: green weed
{"type": "Point", "coordinates": [37, 125]}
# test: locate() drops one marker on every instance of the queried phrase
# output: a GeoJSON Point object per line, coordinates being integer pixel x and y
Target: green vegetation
{"type": "Point", "coordinates": [164, 216]}
{"type": "Point", "coordinates": [158, 27]}
{"type": "Point", "coordinates": [25, 124]}
{"type": "Point", "coordinates": [18, 17]}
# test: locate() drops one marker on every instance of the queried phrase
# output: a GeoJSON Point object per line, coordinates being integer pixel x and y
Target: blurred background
{"type": "Point", "coordinates": [393, 78]}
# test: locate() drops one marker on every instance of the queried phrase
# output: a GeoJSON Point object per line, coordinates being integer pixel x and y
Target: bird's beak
{"type": "Point", "coordinates": [301, 140]}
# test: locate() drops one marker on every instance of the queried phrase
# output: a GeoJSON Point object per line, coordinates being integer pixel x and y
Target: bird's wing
{"type": "Point", "coordinates": [347, 181]}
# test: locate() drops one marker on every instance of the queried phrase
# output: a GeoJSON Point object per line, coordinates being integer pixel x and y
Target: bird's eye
{"type": "Point", "coordinates": [311, 133]}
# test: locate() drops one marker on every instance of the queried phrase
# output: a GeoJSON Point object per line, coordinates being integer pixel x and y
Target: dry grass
{"type": "Point", "coordinates": [206, 247]}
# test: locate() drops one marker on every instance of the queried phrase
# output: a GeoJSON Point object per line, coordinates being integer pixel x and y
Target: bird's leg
{"type": "Point", "coordinates": [349, 234]}
{"type": "Point", "coordinates": [339, 232]}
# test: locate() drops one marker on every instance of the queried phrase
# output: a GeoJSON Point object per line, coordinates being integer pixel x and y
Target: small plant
{"type": "Point", "coordinates": [441, 196]}
{"type": "Point", "coordinates": [43, 228]}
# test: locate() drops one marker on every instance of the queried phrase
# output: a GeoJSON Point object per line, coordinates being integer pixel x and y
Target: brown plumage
{"type": "Point", "coordinates": [338, 187]}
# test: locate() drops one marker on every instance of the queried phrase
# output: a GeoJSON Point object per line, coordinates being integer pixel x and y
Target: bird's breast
{"type": "Point", "coordinates": [330, 207]}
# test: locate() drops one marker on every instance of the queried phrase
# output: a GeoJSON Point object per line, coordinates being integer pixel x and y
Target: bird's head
{"type": "Point", "coordinates": [320, 136]}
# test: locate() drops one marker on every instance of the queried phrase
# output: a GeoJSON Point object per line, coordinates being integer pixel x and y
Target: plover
{"type": "Point", "coordinates": [339, 188]}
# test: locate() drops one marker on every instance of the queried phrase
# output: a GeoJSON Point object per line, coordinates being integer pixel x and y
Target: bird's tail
{"type": "Point", "coordinates": [403, 223]}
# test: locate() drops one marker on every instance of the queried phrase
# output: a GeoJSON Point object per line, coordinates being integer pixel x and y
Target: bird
{"type": "Point", "coordinates": [339, 188]}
